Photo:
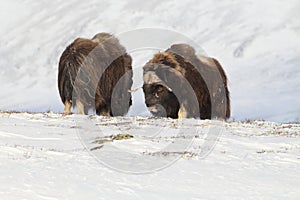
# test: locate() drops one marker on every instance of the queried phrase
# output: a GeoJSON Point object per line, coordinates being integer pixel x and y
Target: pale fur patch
{"type": "Point", "coordinates": [207, 61]}
{"type": "Point", "coordinates": [182, 113]}
{"type": "Point", "coordinates": [101, 37]}
{"type": "Point", "coordinates": [151, 78]}
{"type": "Point", "coordinates": [68, 106]}
{"type": "Point", "coordinates": [152, 109]}
{"type": "Point", "coordinates": [80, 107]}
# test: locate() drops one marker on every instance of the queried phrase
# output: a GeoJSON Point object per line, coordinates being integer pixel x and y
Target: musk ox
{"type": "Point", "coordinates": [95, 74]}
{"type": "Point", "coordinates": [180, 84]}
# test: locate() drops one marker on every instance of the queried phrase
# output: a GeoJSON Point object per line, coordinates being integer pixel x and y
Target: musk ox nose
{"type": "Point", "coordinates": [148, 105]}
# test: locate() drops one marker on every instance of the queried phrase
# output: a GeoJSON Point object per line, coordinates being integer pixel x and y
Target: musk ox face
{"type": "Point", "coordinates": [160, 100]}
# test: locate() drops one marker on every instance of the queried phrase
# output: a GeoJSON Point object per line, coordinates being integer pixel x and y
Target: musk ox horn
{"type": "Point", "coordinates": [150, 77]}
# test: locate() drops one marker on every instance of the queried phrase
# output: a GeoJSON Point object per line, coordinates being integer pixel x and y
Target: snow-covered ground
{"type": "Point", "coordinates": [52, 156]}
{"type": "Point", "coordinates": [42, 157]}
{"type": "Point", "coordinates": [257, 43]}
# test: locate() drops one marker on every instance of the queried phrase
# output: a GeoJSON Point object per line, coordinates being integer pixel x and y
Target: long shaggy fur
{"type": "Point", "coordinates": [194, 86]}
{"type": "Point", "coordinates": [96, 74]}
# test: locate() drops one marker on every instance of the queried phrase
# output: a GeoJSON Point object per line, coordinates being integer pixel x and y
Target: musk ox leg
{"type": "Point", "coordinates": [68, 106]}
{"type": "Point", "coordinates": [80, 107]}
{"type": "Point", "coordinates": [182, 113]}
{"type": "Point", "coordinates": [106, 114]}
{"type": "Point", "coordinates": [103, 110]}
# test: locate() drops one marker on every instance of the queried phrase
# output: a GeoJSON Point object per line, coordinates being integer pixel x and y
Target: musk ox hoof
{"type": "Point", "coordinates": [67, 110]}
{"type": "Point", "coordinates": [67, 113]}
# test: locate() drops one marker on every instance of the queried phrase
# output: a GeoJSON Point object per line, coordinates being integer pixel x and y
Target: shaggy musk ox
{"type": "Point", "coordinates": [180, 84]}
{"type": "Point", "coordinates": [96, 74]}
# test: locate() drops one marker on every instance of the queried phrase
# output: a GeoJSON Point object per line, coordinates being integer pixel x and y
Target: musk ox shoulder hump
{"type": "Point", "coordinates": [167, 59]}
{"type": "Point", "coordinates": [184, 50]}
{"type": "Point", "coordinates": [101, 37]}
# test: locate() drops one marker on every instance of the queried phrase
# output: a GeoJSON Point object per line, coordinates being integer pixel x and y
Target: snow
{"type": "Point", "coordinates": [42, 157]}
{"type": "Point", "coordinates": [48, 155]}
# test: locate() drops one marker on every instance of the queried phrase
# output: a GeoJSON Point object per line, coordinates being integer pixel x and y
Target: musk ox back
{"type": "Point", "coordinates": [95, 74]}
{"type": "Point", "coordinates": [178, 84]}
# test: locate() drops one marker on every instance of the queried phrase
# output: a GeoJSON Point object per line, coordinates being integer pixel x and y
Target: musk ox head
{"type": "Point", "coordinates": [160, 100]}
{"type": "Point", "coordinates": [167, 92]}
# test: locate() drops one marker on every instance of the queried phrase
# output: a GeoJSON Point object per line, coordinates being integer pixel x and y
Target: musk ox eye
{"type": "Point", "coordinates": [156, 95]}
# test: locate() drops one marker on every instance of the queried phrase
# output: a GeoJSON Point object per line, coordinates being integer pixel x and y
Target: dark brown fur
{"type": "Point", "coordinates": [178, 67]}
{"type": "Point", "coordinates": [96, 74]}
